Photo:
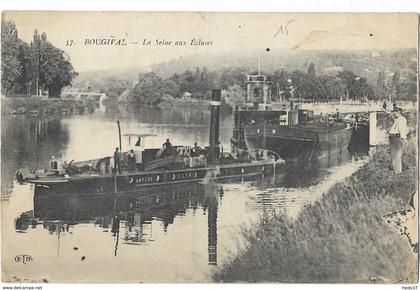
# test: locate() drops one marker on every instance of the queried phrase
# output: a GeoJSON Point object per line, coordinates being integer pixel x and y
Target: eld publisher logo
{"type": "Point", "coordinates": [23, 259]}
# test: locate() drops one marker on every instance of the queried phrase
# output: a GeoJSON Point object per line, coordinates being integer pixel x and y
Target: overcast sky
{"type": "Point", "coordinates": [226, 31]}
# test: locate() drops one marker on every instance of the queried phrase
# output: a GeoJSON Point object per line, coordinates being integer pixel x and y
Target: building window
{"type": "Point", "coordinates": [256, 93]}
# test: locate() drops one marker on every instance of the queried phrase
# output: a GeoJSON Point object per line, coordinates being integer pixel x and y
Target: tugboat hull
{"type": "Point", "coordinates": [131, 182]}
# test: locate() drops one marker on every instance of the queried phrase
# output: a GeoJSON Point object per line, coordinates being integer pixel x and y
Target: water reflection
{"type": "Point", "coordinates": [128, 217]}
{"type": "Point", "coordinates": [197, 117]}
{"type": "Point", "coordinates": [211, 196]}
{"type": "Point", "coordinates": [310, 173]}
{"type": "Point", "coordinates": [28, 141]}
{"type": "Point", "coordinates": [155, 115]}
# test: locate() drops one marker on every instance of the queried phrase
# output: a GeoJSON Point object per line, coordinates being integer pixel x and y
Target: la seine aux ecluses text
{"type": "Point", "coordinates": [112, 41]}
{"type": "Point", "coordinates": [166, 42]}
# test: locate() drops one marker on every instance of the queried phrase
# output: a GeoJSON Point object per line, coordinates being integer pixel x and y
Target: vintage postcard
{"type": "Point", "coordinates": [209, 147]}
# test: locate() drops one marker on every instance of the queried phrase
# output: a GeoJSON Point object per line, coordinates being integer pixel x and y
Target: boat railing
{"type": "Point", "coordinates": [269, 154]}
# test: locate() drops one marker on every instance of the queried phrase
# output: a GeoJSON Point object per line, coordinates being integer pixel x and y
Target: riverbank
{"type": "Point", "coordinates": [343, 237]}
{"type": "Point", "coordinates": [189, 103]}
{"type": "Point", "coordinates": [39, 106]}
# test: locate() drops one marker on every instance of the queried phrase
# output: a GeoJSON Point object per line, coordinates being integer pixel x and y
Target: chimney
{"type": "Point", "coordinates": [214, 127]}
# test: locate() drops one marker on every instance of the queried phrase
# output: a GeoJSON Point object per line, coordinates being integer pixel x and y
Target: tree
{"type": "Point", "coordinates": [171, 88]}
{"type": "Point", "coordinates": [198, 84]}
{"type": "Point", "coordinates": [380, 86]}
{"type": "Point", "coordinates": [281, 76]}
{"type": "Point", "coordinates": [356, 87]}
{"type": "Point", "coordinates": [311, 70]}
{"type": "Point", "coordinates": [148, 90]}
{"type": "Point", "coordinates": [114, 86]}
{"type": "Point", "coordinates": [234, 96]}
{"type": "Point", "coordinates": [283, 84]}
{"type": "Point", "coordinates": [197, 75]}
{"type": "Point", "coordinates": [232, 76]}
{"type": "Point", "coordinates": [204, 75]}
{"type": "Point", "coordinates": [11, 68]}
{"type": "Point", "coordinates": [396, 77]}
{"type": "Point", "coordinates": [306, 86]}
{"type": "Point", "coordinates": [332, 87]}
{"type": "Point", "coordinates": [35, 56]}
{"type": "Point", "coordinates": [186, 81]}
{"type": "Point", "coordinates": [23, 83]}
{"type": "Point", "coordinates": [51, 68]}
{"type": "Point", "coordinates": [29, 68]}
{"type": "Point", "coordinates": [408, 91]}
{"type": "Point", "coordinates": [396, 84]}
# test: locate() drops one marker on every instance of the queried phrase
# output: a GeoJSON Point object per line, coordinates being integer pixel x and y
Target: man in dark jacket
{"type": "Point", "coordinates": [196, 150]}
{"type": "Point", "coordinates": [168, 148]}
{"type": "Point", "coordinates": [117, 160]}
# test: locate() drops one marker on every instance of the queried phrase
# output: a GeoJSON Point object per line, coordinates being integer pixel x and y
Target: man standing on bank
{"type": "Point", "coordinates": [397, 135]}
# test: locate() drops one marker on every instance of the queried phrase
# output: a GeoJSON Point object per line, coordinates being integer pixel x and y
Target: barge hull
{"type": "Point", "coordinates": [295, 146]}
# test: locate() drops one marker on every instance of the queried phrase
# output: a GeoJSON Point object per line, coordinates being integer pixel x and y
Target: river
{"type": "Point", "coordinates": [174, 234]}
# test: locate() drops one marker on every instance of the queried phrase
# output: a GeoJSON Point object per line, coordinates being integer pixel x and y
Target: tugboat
{"type": "Point", "coordinates": [152, 167]}
{"type": "Point", "coordinates": [294, 134]}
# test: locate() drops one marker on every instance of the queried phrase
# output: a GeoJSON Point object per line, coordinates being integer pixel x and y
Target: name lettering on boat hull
{"type": "Point", "coordinates": [153, 178]}
{"type": "Point", "coordinates": [159, 178]}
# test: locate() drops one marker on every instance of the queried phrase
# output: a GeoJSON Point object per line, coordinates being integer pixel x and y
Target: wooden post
{"type": "Point", "coordinates": [30, 90]}
{"type": "Point", "coordinates": [36, 143]}
{"type": "Point", "coordinates": [119, 135]}
{"type": "Point", "coordinates": [372, 129]}
{"type": "Point", "coordinates": [114, 176]}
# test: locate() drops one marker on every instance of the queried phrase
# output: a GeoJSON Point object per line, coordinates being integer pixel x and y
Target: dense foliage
{"type": "Point", "coordinates": [340, 238]}
{"type": "Point", "coordinates": [35, 68]}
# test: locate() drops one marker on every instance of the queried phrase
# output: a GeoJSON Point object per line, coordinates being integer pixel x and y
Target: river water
{"type": "Point", "coordinates": [172, 234]}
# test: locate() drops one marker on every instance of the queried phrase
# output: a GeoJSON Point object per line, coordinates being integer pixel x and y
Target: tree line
{"type": "Point", "coordinates": [398, 88]}
{"type": "Point", "coordinates": [346, 85]}
{"type": "Point", "coordinates": [32, 68]}
{"type": "Point", "coordinates": [152, 89]}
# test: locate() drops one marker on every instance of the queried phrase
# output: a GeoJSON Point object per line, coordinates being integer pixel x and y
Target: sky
{"type": "Point", "coordinates": [226, 31]}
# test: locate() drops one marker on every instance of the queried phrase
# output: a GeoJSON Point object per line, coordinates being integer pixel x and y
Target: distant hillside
{"type": "Point", "coordinates": [394, 71]}
{"type": "Point", "coordinates": [366, 63]}
{"type": "Point", "coordinates": [98, 80]}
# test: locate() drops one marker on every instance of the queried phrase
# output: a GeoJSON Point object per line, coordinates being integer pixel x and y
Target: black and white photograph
{"type": "Point", "coordinates": [209, 147]}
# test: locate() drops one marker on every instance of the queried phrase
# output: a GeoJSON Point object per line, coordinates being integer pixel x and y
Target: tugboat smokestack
{"type": "Point", "coordinates": [214, 126]}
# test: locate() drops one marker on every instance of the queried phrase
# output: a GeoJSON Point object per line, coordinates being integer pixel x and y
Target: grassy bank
{"type": "Point", "coordinates": [340, 238]}
{"type": "Point", "coordinates": [46, 106]}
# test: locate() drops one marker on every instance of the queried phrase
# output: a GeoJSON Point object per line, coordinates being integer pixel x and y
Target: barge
{"type": "Point", "coordinates": [300, 142]}
{"type": "Point", "coordinates": [294, 134]}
